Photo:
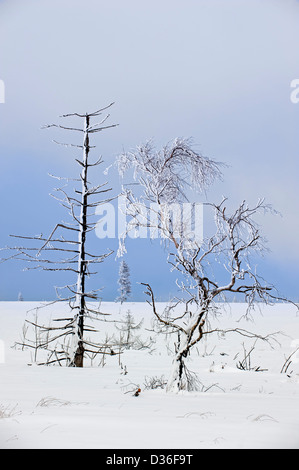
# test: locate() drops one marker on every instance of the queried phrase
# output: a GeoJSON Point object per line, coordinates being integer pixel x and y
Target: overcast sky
{"type": "Point", "coordinates": [217, 71]}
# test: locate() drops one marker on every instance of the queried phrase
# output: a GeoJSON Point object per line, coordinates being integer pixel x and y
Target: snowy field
{"type": "Point", "coordinates": [95, 407]}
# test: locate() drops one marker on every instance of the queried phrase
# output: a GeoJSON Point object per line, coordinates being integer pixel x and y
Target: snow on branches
{"type": "Point", "coordinates": [124, 282]}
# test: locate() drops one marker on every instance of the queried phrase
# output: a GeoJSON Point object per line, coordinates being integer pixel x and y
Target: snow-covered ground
{"type": "Point", "coordinates": [94, 407]}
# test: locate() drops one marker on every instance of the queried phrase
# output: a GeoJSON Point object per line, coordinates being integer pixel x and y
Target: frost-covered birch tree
{"type": "Point", "coordinates": [69, 240]}
{"type": "Point", "coordinates": [164, 177]}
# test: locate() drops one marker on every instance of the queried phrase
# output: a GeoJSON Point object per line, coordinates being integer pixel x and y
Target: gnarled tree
{"type": "Point", "coordinates": [164, 177]}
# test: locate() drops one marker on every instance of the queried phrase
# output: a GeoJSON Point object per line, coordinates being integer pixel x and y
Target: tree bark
{"type": "Point", "coordinates": [176, 379]}
{"type": "Point", "coordinates": [82, 266]}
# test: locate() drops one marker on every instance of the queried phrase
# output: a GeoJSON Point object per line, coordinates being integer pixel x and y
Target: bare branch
{"type": "Point", "coordinates": [62, 127]}
{"type": "Point", "coordinates": [96, 113]}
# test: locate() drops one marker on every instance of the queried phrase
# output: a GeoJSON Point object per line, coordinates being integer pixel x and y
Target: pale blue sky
{"type": "Point", "coordinates": [218, 71]}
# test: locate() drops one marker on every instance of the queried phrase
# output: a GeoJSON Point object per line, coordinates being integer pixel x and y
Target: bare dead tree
{"type": "Point", "coordinates": [67, 341]}
{"type": "Point", "coordinates": [164, 178]}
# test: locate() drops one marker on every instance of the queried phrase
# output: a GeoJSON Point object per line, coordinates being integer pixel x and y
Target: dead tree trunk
{"type": "Point", "coordinates": [80, 296]}
{"type": "Point", "coordinates": [78, 258]}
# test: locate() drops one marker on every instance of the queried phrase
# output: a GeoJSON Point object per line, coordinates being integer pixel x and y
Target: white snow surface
{"type": "Point", "coordinates": [95, 407]}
